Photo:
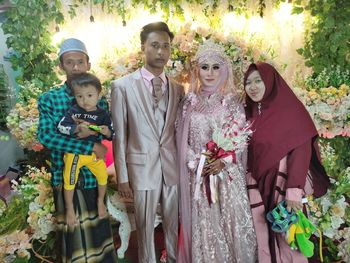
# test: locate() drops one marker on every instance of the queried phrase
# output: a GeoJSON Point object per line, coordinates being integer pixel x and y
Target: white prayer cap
{"type": "Point", "coordinates": [72, 44]}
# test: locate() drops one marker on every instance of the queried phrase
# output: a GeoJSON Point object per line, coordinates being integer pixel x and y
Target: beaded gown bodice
{"type": "Point", "coordinates": [206, 112]}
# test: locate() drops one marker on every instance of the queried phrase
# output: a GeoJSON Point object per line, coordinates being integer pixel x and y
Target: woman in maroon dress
{"type": "Point", "coordinates": [283, 157]}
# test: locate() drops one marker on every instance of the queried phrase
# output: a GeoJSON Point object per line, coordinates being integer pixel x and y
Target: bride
{"type": "Point", "coordinates": [216, 221]}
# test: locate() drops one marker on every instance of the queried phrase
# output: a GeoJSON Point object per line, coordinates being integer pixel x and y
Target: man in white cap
{"type": "Point", "coordinates": [91, 240]}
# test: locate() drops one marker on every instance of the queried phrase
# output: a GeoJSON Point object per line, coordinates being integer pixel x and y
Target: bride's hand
{"type": "Point", "coordinates": [213, 168]}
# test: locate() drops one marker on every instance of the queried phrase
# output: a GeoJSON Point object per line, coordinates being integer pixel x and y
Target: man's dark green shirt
{"type": "Point", "coordinates": [52, 107]}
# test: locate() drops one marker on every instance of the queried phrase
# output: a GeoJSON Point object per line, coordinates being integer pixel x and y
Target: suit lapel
{"type": "Point", "coordinates": [143, 99]}
{"type": "Point", "coordinates": [171, 104]}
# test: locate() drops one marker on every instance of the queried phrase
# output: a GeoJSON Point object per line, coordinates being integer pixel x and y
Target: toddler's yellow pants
{"type": "Point", "coordinates": [73, 163]}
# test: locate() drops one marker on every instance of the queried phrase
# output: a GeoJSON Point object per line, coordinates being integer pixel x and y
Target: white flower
{"type": "Point", "coordinates": [33, 206]}
{"type": "Point", "coordinates": [318, 214]}
{"type": "Point", "coordinates": [9, 258]}
{"type": "Point", "coordinates": [23, 253]}
{"type": "Point", "coordinates": [343, 234]}
{"type": "Point", "coordinates": [344, 250]}
{"type": "Point", "coordinates": [14, 182]}
{"type": "Point", "coordinates": [336, 222]}
{"type": "Point", "coordinates": [338, 209]}
{"type": "Point", "coordinates": [45, 225]}
{"type": "Point", "coordinates": [179, 66]}
{"type": "Point", "coordinates": [329, 232]}
{"type": "Point", "coordinates": [325, 203]}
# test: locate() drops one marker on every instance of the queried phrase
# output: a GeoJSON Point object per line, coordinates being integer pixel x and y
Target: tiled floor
{"type": "Point", "coordinates": [131, 253]}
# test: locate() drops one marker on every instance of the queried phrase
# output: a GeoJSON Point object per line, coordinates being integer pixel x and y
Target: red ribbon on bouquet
{"type": "Point", "coordinates": [217, 152]}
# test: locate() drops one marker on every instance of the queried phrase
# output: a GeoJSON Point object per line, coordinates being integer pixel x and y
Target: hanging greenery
{"type": "Point", "coordinates": [29, 36]}
{"type": "Point", "coordinates": [176, 7]}
{"type": "Point", "coordinates": [169, 7]}
{"type": "Point", "coordinates": [31, 23]}
{"type": "Point", "coordinates": [327, 41]}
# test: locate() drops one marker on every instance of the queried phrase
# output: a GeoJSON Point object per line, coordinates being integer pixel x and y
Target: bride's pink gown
{"type": "Point", "coordinates": [224, 231]}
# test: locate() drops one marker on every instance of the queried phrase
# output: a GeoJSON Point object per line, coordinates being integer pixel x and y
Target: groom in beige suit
{"type": "Point", "coordinates": [144, 109]}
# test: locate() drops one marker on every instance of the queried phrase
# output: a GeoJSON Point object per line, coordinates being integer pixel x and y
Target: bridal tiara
{"type": "Point", "coordinates": [210, 50]}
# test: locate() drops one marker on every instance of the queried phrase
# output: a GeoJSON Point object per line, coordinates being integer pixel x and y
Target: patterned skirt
{"type": "Point", "coordinates": [91, 240]}
{"type": "Point", "coordinates": [272, 247]}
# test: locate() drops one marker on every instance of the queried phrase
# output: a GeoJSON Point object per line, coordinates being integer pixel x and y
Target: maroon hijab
{"type": "Point", "coordinates": [282, 125]}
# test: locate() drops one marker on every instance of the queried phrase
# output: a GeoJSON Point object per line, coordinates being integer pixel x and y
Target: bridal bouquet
{"type": "Point", "coordinates": [228, 139]}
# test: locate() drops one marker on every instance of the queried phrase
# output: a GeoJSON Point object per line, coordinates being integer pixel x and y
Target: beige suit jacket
{"type": "Point", "coordinates": [142, 155]}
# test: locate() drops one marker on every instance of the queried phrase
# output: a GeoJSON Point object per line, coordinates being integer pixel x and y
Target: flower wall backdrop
{"type": "Point", "coordinates": [108, 37]}
{"type": "Point", "coordinates": [37, 27]}
{"type": "Point", "coordinates": [327, 99]}
{"type": "Point", "coordinates": [27, 223]}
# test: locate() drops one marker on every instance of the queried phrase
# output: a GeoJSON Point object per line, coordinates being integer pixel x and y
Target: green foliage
{"type": "Point", "coordinates": [239, 7]}
{"type": "Point", "coordinates": [261, 7]}
{"type": "Point", "coordinates": [27, 24]}
{"type": "Point", "coordinates": [338, 156]}
{"type": "Point", "coordinates": [332, 76]}
{"type": "Point", "coordinates": [167, 6]}
{"type": "Point", "coordinates": [331, 251]}
{"type": "Point", "coordinates": [4, 86]}
{"type": "Point", "coordinates": [15, 216]}
{"type": "Point", "coordinates": [176, 7]}
{"type": "Point", "coordinates": [111, 6]}
{"type": "Point", "coordinates": [45, 248]}
{"type": "Point", "coordinates": [20, 260]}
{"type": "Point", "coordinates": [327, 40]}
{"type": "Point", "coordinates": [31, 90]}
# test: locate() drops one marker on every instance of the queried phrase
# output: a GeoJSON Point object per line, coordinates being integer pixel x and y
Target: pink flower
{"type": "Point", "coordinates": [37, 147]}
{"type": "Point", "coordinates": [190, 36]}
{"type": "Point", "coordinates": [345, 133]}
{"type": "Point", "coordinates": [185, 47]}
{"type": "Point", "coordinates": [204, 32]}
{"type": "Point", "coordinates": [178, 39]}
{"type": "Point", "coordinates": [327, 134]}
{"type": "Point", "coordinates": [326, 116]}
